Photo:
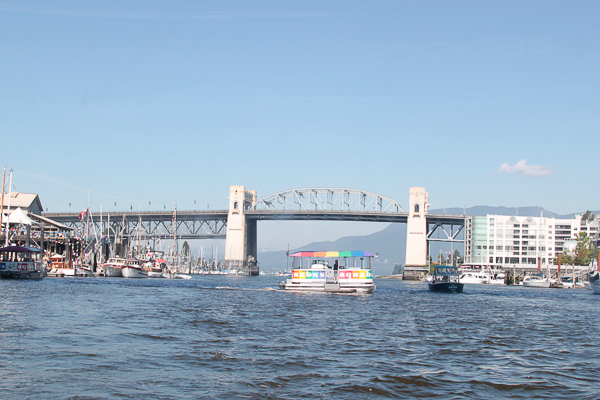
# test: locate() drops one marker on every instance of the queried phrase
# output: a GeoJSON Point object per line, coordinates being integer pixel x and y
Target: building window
{"type": "Point", "coordinates": [235, 205]}
{"type": "Point", "coordinates": [416, 208]}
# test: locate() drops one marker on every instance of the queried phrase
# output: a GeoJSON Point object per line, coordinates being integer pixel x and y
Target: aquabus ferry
{"type": "Point", "coordinates": [331, 271]}
{"type": "Point", "coordinates": [21, 262]}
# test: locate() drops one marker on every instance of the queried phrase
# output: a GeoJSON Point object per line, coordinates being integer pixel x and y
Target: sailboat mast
{"type": "Point", "coordinates": [2, 206]}
{"type": "Point", "coordinates": [8, 210]}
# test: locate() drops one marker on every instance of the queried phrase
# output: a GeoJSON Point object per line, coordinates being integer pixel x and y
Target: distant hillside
{"type": "Point", "coordinates": [390, 242]}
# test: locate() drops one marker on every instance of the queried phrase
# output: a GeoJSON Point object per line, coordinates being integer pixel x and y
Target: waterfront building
{"type": "Point", "coordinates": [500, 241]}
{"type": "Point", "coordinates": [28, 202]}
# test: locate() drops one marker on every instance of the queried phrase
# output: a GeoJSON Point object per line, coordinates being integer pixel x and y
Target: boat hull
{"type": "Point", "coordinates": [34, 274]}
{"type": "Point", "coordinates": [133, 272]}
{"type": "Point", "coordinates": [112, 272]}
{"type": "Point", "coordinates": [322, 286]}
{"type": "Point", "coordinates": [447, 287]}
{"type": "Point", "coordinates": [475, 279]}
{"type": "Point", "coordinates": [595, 286]}
{"type": "Point", "coordinates": [537, 284]}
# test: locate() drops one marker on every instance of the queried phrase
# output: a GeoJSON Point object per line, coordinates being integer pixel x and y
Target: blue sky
{"type": "Point", "coordinates": [164, 102]}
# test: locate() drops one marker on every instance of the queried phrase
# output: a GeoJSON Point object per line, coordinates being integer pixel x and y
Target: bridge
{"type": "Point", "coordinates": [238, 224]}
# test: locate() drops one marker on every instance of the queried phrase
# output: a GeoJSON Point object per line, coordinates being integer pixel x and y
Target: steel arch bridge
{"type": "Point", "coordinates": [327, 199]}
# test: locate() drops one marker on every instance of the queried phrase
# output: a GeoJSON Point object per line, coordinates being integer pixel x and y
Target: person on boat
{"type": "Point", "coordinates": [335, 265]}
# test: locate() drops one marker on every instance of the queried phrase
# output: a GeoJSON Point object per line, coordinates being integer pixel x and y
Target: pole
{"type": "Point", "coordinates": [2, 206]}
{"type": "Point", "coordinates": [8, 208]}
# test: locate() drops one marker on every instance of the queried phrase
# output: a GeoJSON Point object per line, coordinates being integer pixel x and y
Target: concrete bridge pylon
{"type": "Point", "coordinates": [416, 229]}
{"type": "Point", "coordinates": [241, 238]}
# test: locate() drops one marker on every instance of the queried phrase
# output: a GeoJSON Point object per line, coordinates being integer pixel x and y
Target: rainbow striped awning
{"type": "Point", "coordinates": [334, 254]}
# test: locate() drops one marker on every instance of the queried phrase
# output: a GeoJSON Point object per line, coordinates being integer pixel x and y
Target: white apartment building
{"type": "Point", "coordinates": [500, 241]}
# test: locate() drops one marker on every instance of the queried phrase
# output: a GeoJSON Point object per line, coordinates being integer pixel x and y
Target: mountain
{"type": "Point", "coordinates": [390, 242]}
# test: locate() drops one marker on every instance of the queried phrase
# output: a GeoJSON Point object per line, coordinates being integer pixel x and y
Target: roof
{"type": "Point", "coordinates": [23, 200]}
{"type": "Point", "coordinates": [332, 254]}
{"type": "Point", "coordinates": [20, 249]}
{"type": "Point", "coordinates": [51, 222]}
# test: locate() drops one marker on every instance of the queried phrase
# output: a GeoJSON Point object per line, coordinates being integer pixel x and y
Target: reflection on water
{"type": "Point", "coordinates": [233, 337]}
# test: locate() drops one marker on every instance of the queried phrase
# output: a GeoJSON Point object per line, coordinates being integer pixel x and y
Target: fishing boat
{"type": "Point", "coordinates": [133, 269]}
{"type": "Point", "coordinates": [21, 262]}
{"type": "Point", "coordinates": [154, 269]}
{"type": "Point", "coordinates": [112, 268]}
{"type": "Point", "coordinates": [331, 271]}
{"type": "Point", "coordinates": [446, 278]}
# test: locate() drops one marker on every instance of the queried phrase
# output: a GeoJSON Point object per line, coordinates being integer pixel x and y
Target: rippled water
{"type": "Point", "coordinates": [239, 337]}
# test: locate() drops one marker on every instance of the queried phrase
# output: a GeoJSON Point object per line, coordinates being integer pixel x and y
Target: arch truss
{"type": "Point", "coordinates": [324, 199]}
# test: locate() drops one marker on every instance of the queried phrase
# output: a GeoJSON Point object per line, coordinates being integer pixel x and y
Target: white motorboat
{"type": "Point", "coordinates": [475, 278]}
{"type": "Point", "coordinates": [537, 281]}
{"type": "Point", "coordinates": [498, 279]}
{"type": "Point", "coordinates": [133, 269]}
{"type": "Point", "coordinates": [21, 262]}
{"type": "Point", "coordinates": [154, 271]}
{"type": "Point", "coordinates": [312, 271]}
{"type": "Point", "coordinates": [113, 267]}
{"type": "Point", "coordinates": [174, 275]}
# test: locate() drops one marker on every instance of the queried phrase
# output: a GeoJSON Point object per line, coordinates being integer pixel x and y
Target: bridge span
{"type": "Point", "coordinates": [238, 224]}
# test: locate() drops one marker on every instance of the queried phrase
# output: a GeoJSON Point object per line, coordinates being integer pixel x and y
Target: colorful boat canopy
{"type": "Point", "coordinates": [332, 254]}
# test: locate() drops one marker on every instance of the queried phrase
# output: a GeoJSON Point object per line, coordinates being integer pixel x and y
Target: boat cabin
{"type": "Point", "coordinates": [333, 260]}
{"type": "Point", "coordinates": [332, 271]}
{"type": "Point", "coordinates": [21, 262]}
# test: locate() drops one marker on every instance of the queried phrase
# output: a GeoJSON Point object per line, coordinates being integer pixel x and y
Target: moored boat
{"type": "Point", "coordinates": [446, 278]}
{"type": "Point", "coordinates": [331, 271]}
{"type": "Point", "coordinates": [112, 268]}
{"type": "Point", "coordinates": [537, 281]}
{"type": "Point", "coordinates": [134, 269]}
{"type": "Point", "coordinates": [479, 278]}
{"type": "Point", "coordinates": [21, 262]}
{"type": "Point", "coordinates": [154, 269]}
{"type": "Point", "coordinates": [594, 281]}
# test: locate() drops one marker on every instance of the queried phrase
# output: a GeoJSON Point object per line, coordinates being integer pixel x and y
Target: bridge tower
{"type": "Point", "coordinates": [241, 238]}
{"type": "Point", "coordinates": [416, 232]}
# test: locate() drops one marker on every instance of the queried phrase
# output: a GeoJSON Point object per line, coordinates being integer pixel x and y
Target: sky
{"type": "Point", "coordinates": [144, 104]}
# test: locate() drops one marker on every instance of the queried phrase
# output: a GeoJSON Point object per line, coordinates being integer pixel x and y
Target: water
{"type": "Point", "coordinates": [239, 337]}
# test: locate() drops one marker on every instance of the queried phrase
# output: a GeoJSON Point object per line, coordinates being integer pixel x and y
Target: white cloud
{"type": "Point", "coordinates": [521, 168]}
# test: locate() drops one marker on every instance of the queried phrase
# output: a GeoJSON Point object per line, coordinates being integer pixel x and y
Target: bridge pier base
{"type": "Point", "coordinates": [241, 238]}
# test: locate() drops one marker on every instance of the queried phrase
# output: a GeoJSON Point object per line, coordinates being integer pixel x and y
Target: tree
{"type": "Point", "coordinates": [588, 216]}
{"type": "Point", "coordinates": [584, 251]}
{"type": "Point", "coordinates": [185, 249]}
{"type": "Point", "coordinates": [456, 258]}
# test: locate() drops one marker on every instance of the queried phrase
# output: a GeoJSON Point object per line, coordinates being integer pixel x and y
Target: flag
{"type": "Point", "coordinates": [83, 213]}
